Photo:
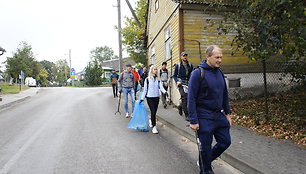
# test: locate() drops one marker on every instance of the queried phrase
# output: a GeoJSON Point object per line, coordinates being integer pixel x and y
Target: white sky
{"type": "Point", "coordinates": [52, 27]}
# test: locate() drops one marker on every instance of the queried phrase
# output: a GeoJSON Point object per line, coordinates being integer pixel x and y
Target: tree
{"type": "Point", "coordinates": [102, 53]}
{"type": "Point", "coordinates": [42, 76]}
{"type": "Point", "coordinates": [61, 71]}
{"type": "Point", "coordinates": [48, 67]}
{"type": "Point", "coordinates": [133, 36]}
{"type": "Point", "coordinates": [266, 28]}
{"type": "Point", "coordinates": [93, 73]}
{"type": "Point", "coordinates": [23, 60]}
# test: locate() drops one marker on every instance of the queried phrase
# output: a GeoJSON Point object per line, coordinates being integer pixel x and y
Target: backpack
{"type": "Point", "coordinates": [114, 80]}
{"type": "Point", "coordinates": [161, 72]}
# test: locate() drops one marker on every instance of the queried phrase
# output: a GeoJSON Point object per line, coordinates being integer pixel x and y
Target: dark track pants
{"type": "Point", "coordinates": [115, 90]}
{"type": "Point", "coordinates": [220, 129]}
{"type": "Point", "coordinates": [164, 95]}
{"type": "Point", "coordinates": [153, 105]}
{"type": "Point", "coordinates": [184, 100]}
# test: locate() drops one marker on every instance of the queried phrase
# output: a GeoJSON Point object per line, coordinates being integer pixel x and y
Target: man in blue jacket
{"type": "Point", "coordinates": [113, 81]}
{"type": "Point", "coordinates": [209, 110]}
{"type": "Point", "coordinates": [181, 76]}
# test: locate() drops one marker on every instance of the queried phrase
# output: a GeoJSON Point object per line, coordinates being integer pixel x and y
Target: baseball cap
{"type": "Point", "coordinates": [184, 54]}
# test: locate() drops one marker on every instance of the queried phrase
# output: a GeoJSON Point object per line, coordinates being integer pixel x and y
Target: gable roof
{"type": "Point", "coordinates": [226, 2]}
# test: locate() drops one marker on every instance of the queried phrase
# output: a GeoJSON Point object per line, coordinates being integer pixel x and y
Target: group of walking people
{"type": "Point", "coordinates": [150, 82]}
{"type": "Point", "coordinates": [204, 100]}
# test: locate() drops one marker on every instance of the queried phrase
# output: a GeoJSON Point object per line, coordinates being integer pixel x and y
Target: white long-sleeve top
{"type": "Point", "coordinates": [152, 88]}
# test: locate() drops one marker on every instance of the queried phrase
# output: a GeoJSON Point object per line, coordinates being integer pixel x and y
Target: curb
{"type": "Point", "coordinates": [235, 162]}
{"type": "Point", "coordinates": [7, 105]}
{"type": "Point", "coordinates": [14, 102]}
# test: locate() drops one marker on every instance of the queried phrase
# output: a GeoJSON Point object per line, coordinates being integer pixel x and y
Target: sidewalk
{"type": "Point", "coordinates": [250, 153]}
{"type": "Point", "coordinates": [11, 99]}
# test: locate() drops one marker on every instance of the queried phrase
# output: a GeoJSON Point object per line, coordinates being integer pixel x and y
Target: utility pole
{"type": "Point", "coordinates": [70, 68]}
{"type": "Point", "coordinates": [133, 13]}
{"type": "Point", "coordinates": [119, 36]}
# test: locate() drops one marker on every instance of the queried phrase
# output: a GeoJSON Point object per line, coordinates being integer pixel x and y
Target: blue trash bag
{"type": "Point", "coordinates": [138, 88]}
{"type": "Point", "coordinates": [140, 120]}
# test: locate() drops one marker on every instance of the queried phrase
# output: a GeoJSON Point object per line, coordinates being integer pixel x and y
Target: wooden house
{"type": "Point", "coordinates": [174, 26]}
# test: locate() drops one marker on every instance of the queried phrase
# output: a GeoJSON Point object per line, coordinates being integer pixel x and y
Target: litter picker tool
{"type": "Point", "coordinates": [199, 149]}
{"type": "Point", "coordinates": [118, 111]}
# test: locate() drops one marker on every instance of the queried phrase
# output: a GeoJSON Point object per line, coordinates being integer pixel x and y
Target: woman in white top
{"type": "Point", "coordinates": [152, 86]}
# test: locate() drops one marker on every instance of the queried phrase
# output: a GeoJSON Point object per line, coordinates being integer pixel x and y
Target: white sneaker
{"type": "Point", "coordinates": [127, 115]}
{"type": "Point", "coordinates": [154, 130]}
{"type": "Point", "coordinates": [150, 123]}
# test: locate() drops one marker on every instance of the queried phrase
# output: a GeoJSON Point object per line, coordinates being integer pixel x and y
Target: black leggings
{"type": "Point", "coordinates": [153, 105]}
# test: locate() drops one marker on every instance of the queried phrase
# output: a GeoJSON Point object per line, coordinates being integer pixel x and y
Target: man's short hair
{"type": "Point", "coordinates": [128, 65]}
{"type": "Point", "coordinates": [164, 63]}
{"type": "Point", "coordinates": [210, 49]}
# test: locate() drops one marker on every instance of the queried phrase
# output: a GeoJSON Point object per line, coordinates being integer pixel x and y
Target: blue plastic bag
{"type": "Point", "coordinates": [140, 120]}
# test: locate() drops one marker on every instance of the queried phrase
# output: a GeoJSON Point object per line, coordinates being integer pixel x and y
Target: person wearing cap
{"type": "Point", "coordinates": [164, 77]}
{"type": "Point", "coordinates": [181, 76]}
{"type": "Point", "coordinates": [209, 110]}
{"type": "Point", "coordinates": [113, 81]}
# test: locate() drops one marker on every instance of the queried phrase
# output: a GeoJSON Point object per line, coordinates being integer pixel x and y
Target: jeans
{"type": "Point", "coordinates": [127, 91]}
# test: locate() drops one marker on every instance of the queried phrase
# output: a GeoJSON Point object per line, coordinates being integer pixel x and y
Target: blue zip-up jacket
{"type": "Point", "coordinates": [207, 96]}
{"type": "Point", "coordinates": [113, 75]}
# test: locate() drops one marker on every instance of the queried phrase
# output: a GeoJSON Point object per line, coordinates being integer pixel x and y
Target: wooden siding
{"type": "Point", "coordinates": [166, 16]}
{"type": "Point", "coordinates": [156, 20]}
{"type": "Point", "coordinates": [196, 28]}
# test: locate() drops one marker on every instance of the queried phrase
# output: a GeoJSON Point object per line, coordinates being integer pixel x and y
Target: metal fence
{"type": "Point", "coordinates": [247, 81]}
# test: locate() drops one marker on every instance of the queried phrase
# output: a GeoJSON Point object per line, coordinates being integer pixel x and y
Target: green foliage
{"type": "Point", "coordinates": [93, 73]}
{"type": "Point", "coordinates": [133, 36]}
{"type": "Point", "coordinates": [102, 53]}
{"type": "Point", "coordinates": [265, 28]}
{"type": "Point", "coordinates": [61, 72]}
{"type": "Point", "coordinates": [23, 60]}
{"type": "Point", "coordinates": [48, 67]}
{"type": "Point", "coordinates": [42, 77]}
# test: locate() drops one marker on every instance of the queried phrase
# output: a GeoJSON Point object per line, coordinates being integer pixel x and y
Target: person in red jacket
{"type": "Point", "coordinates": [136, 78]}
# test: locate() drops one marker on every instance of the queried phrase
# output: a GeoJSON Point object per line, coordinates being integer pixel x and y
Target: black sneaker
{"type": "Point", "coordinates": [180, 110]}
{"type": "Point", "coordinates": [165, 106]}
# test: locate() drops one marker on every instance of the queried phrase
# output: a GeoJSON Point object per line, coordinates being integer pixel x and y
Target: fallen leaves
{"type": "Point", "coordinates": [286, 118]}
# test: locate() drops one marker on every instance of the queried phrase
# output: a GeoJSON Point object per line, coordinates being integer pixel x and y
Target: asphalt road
{"type": "Point", "coordinates": [74, 130]}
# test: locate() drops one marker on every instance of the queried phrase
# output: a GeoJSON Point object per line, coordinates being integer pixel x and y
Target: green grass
{"type": "Point", "coordinates": [11, 89]}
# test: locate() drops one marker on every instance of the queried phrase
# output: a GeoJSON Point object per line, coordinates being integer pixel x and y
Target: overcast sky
{"type": "Point", "coordinates": [52, 27]}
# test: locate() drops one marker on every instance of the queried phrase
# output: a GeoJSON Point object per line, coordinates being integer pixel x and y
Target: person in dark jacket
{"type": "Point", "coordinates": [181, 76]}
{"type": "Point", "coordinates": [113, 81]}
{"type": "Point", "coordinates": [143, 76]}
{"type": "Point", "coordinates": [209, 110]}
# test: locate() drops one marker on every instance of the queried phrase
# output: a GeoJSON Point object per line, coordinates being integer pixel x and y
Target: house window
{"type": "Point", "coordinates": [107, 74]}
{"type": "Point", "coordinates": [168, 43]}
{"type": "Point", "coordinates": [156, 5]}
{"type": "Point", "coordinates": [153, 55]}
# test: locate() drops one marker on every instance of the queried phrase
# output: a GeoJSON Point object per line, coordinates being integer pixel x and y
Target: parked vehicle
{"type": "Point", "coordinates": [30, 82]}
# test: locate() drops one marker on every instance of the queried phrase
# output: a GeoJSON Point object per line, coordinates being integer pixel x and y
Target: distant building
{"type": "Point", "coordinates": [114, 64]}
